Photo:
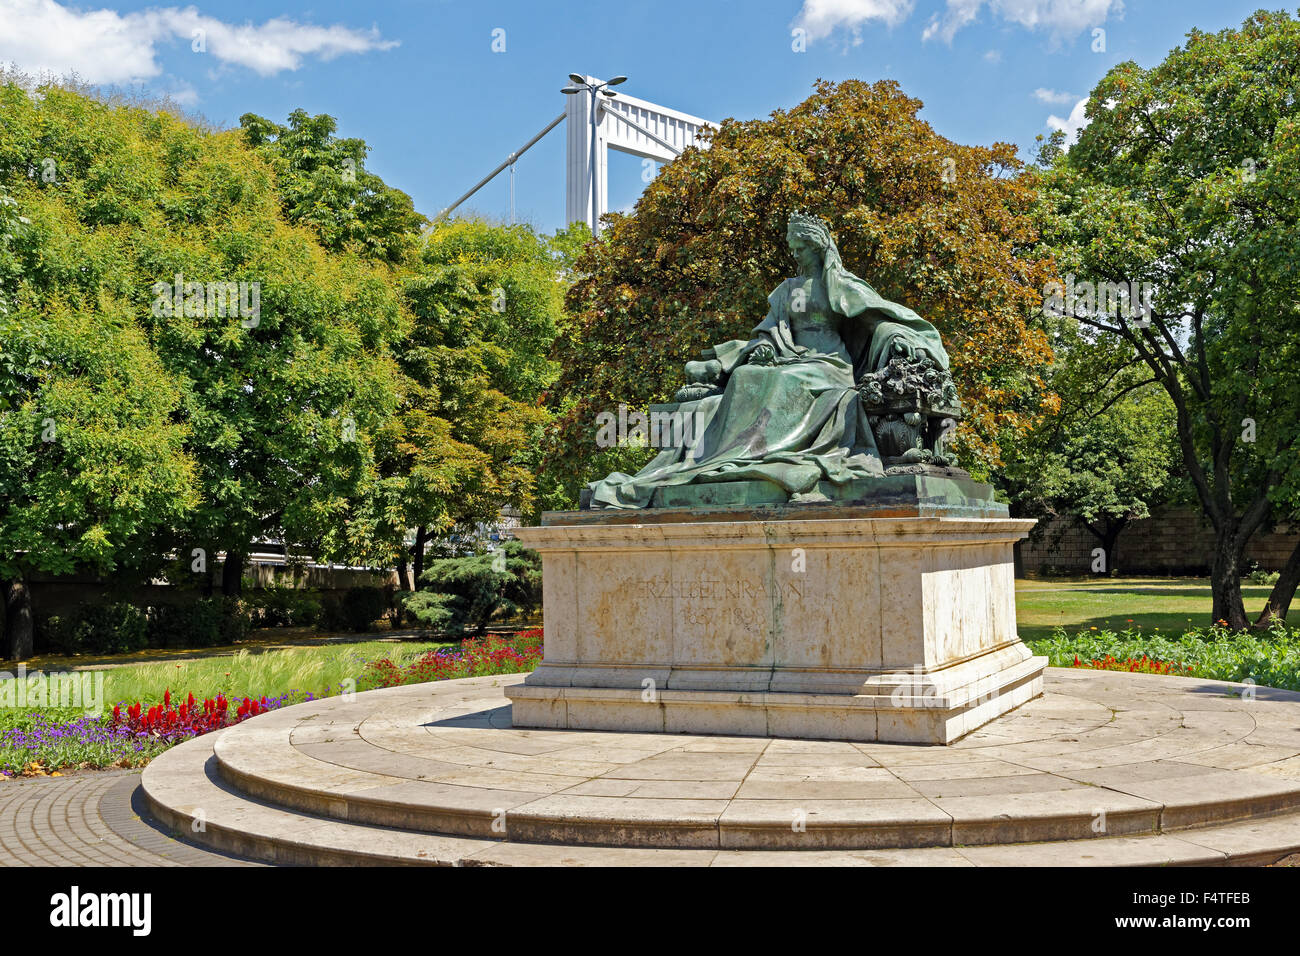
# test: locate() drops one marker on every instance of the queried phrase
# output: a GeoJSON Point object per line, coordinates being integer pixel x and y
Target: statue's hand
{"type": "Point", "coordinates": [762, 355]}
{"type": "Point", "coordinates": [705, 372]}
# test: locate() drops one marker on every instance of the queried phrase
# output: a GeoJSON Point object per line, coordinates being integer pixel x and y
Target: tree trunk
{"type": "Point", "coordinates": [1108, 536]}
{"type": "Point", "coordinates": [404, 578]}
{"type": "Point", "coordinates": [421, 539]}
{"type": "Point", "coordinates": [18, 620]}
{"type": "Point", "coordinates": [1225, 580]}
{"type": "Point", "coordinates": [232, 574]}
{"type": "Point", "coordinates": [1110, 541]}
{"type": "Point", "coordinates": [1279, 601]}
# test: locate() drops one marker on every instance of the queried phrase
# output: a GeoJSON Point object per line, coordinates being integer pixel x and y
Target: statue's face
{"type": "Point", "coordinates": [805, 252]}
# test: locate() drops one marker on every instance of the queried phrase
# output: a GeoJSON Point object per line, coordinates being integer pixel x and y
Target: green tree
{"type": "Point", "coordinates": [1101, 464]}
{"type": "Point", "coordinates": [11, 224]}
{"type": "Point", "coordinates": [91, 460]}
{"type": "Point", "coordinates": [486, 302]}
{"type": "Point", "coordinates": [941, 227]}
{"type": "Point", "coordinates": [323, 184]}
{"type": "Point", "coordinates": [285, 377]}
{"type": "Point", "coordinates": [1188, 178]}
{"type": "Point", "coordinates": [465, 593]}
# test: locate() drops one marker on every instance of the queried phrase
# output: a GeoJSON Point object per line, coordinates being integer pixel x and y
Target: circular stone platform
{"type": "Point", "coordinates": [1105, 767]}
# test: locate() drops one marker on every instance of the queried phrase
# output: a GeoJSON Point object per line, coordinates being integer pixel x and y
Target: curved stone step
{"type": "Point", "coordinates": [184, 792]}
{"type": "Point", "coordinates": [1100, 754]}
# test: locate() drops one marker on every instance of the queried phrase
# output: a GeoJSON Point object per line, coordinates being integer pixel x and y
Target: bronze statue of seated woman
{"type": "Point", "coordinates": [835, 384]}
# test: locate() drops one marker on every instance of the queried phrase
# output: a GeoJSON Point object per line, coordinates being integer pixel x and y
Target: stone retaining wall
{"type": "Point", "coordinates": [1172, 542]}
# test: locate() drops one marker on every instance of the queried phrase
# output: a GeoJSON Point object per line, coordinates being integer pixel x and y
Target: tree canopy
{"type": "Point", "coordinates": [323, 184]}
{"type": "Point", "coordinates": [211, 373]}
{"type": "Point", "coordinates": [1188, 178]}
{"type": "Point", "coordinates": [486, 303]}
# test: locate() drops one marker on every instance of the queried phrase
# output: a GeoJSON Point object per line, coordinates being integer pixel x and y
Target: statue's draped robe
{"type": "Point", "coordinates": [796, 422]}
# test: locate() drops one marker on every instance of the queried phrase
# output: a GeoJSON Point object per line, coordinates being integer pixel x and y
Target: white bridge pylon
{"type": "Point", "coordinates": [628, 125]}
{"type": "Point", "coordinates": [624, 123]}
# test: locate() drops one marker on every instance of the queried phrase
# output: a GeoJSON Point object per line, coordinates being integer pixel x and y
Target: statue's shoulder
{"type": "Point", "coordinates": [782, 291]}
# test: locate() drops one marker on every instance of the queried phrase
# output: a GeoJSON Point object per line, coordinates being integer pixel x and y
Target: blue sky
{"type": "Point", "coordinates": [420, 82]}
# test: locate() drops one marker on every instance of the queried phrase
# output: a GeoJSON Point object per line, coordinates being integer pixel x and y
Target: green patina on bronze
{"type": "Point", "coordinates": [837, 391]}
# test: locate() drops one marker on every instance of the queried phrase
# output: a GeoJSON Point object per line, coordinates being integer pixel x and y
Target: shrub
{"type": "Point", "coordinates": [360, 607]}
{"type": "Point", "coordinates": [464, 594]}
{"type": "Point", "coordinates": [429, 608]}
{"type": "Point", "coordinates": [279, 606]}
{"type": "Point", "coordinates": [236, 619]}
{"type": "Point", "coordinates": [1260, 576]}
{"type": "Point", "coordinates": [46, 633]}
{"type": "Point", "coordinates": [117, 628]}
{"type": "Point", "coordinates": [202, 623]}
{"type": "Point", "coordinates": [331, 613]}
{"type": "Point", "coordinates": [185, 625]}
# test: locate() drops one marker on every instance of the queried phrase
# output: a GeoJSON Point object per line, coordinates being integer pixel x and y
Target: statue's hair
{"type": "Point", "coordinates": [815, 228]}
{"type": "Point", "coordinates": [810, 227]}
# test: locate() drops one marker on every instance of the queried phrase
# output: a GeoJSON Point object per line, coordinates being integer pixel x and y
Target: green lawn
{"type": "Point", "coordinates": [255, 671]}
{"type": "Point", "coordinates": [1155, 613]}
{"type": "Point", "coordinates": [271, 662]}
{"type": "Point", "coordinates": [314, 670]}
{"type": "Point", "coordinates": [1170, 605]}
{"type": "Point", "coordinates": [267, 667]}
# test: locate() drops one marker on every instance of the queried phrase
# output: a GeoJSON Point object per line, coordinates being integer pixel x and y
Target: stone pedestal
{"type": "Point", "coordinates": [815, 621]}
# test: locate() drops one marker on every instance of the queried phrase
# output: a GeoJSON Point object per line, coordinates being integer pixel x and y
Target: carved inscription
{"type": "Point", "coordinates": [734, 602]}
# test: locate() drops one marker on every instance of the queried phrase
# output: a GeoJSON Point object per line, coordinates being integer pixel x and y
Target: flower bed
{"type": "Point", "coordinates": [1269, 658]}
{"type": "Point", "coordinates": [173, 723]}
{"type": "Point", "coordinates": [38, 743]}
{"type": "Point", "coordinates": [1135, 665]}
{"type": "Point", "coordinates": [475, 657]}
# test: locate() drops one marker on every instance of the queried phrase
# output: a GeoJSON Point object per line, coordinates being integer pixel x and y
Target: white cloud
{"type": "Point", "coordinates": [1072, 123]}
{"type": "Point", "coordinates": [1044, 95]}
{"type": "Point", "coordinates": [183, 94]}
{"type": "Point", "coordinates": [276, 45]}
{"type": "Point", "coordinates": [1061, 19]}
{"type": "Point", "coordinates": [104, 46]}
{"type": "Point", "coordinates": [1064, 18]}
{"type": "Point", "coordinates": [820, 18]}
{"type": "Point", "coordinates": [993, 56]}
{"type": "Point", "coordinates": [960, 13]}
{"type": "Point", "coordinates": [40, 36]}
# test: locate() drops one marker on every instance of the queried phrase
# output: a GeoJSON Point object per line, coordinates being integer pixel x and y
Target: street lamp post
{"type": "Point", "coordinates": [579, 84]}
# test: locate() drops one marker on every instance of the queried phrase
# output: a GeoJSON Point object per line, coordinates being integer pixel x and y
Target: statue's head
{"type": "Point", "coordinates": [808, 236]}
